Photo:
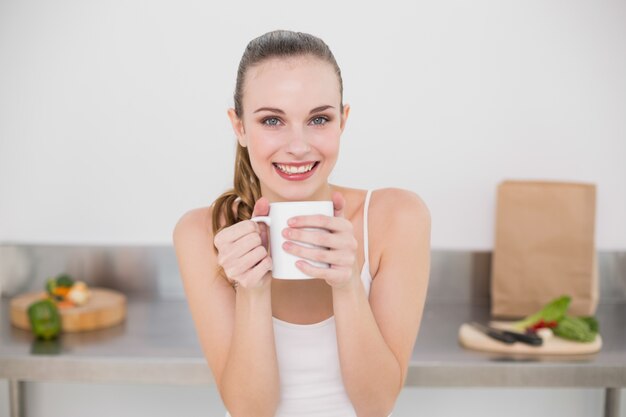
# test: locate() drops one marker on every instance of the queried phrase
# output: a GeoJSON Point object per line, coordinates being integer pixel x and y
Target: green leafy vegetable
{"type": "Point", "coordinates": [51, 285]}
{"type": "Point", "coordinates": [553, 311]}
{"type": "Point", "coordinates": [64, 280]}
{"type": "Point", "coordinates": [592, 322]}
{"type": "Point", "coordinates": [576, 328]}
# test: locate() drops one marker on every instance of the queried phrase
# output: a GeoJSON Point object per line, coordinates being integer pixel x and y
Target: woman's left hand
{"type": "Point", "coordinates": [337, 236]}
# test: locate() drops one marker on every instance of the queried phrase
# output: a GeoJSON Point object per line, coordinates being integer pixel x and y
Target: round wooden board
{"type": "Point", "coordinates": [104, 308]}
{"type": "Point", "coordinates": [474, 339]}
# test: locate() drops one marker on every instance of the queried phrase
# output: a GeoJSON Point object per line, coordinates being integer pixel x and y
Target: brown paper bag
{"type": "Point", "coordinates": [544, 247]}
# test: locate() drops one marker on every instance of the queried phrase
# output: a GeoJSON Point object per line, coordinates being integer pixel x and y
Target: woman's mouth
{"type": "Point", "coordinates": [296, 171]}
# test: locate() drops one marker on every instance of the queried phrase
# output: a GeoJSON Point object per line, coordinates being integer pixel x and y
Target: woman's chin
{"type": "Point", "coordinates": [300, 193]}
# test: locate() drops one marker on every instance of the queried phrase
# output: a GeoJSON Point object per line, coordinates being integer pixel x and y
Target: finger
{"type": "Point", "coordinates": [332, 224]}
{"type": "Point", "coordinates": [320, 237]}
{"type": "Point", "coordinates": [262, 208]}
{"type": "Point", "coordinates": [256, 273]}
{"type": "Point", "coordinates": [335, 258]}
{"type": "Point", "coordinates": [235, 250]}
{"type": "Point", "coordinates": [323, 273]}
{"type": "Point", "coordinates": [339, 204]}
{"type": "Point", "coordinates": [244, 245]}
{"type": "Point", "coordinates": [240, 265]}
{"type": "Point", "coordinates": [232, 233]}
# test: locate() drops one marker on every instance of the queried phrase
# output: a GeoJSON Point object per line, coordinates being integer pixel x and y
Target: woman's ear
{"type": "Point", "coordinates": [344, 116]}
{"type": "Point", "coordinates": [237, 127]}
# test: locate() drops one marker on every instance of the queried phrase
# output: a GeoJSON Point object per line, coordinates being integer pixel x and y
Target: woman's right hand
{"type": "Point", "coordinates": [242, 251]}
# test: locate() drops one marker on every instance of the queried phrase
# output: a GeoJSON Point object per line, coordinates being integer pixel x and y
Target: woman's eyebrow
{"type": "Point", "coordinates": [275, 110]}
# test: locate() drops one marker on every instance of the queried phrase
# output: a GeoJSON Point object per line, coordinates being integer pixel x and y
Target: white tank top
{"type": "Point", "coordinates": [308, 360]}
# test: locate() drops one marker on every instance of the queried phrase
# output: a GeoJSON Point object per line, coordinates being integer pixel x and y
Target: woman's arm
{"type": "Point", "coordinates": [235, 329]}
{"type": "Point", "coordinates": [376, 338]}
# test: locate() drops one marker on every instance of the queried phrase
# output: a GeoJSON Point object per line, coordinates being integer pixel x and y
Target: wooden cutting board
{"type": "Point", "coordinates": [472, 338]}
{"type": "Point", "coordinates": [104, 308]}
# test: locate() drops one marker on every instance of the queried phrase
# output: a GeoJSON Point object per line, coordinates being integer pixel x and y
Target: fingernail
{"type": "Point", "coordinates": [286, 232]}
{"type": "Point", "coordinates": [291, 221]}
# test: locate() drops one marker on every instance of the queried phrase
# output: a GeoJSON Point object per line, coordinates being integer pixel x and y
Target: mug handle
{"type": "Point", "coordinates": [261, 219]}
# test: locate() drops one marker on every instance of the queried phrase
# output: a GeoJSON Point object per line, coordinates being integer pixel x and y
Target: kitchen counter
{"type": "Point", "coordinates": [157, 344]}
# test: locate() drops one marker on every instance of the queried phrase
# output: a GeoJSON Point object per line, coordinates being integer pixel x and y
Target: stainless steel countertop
{"type": "Point", "coordinates": [157, 344]}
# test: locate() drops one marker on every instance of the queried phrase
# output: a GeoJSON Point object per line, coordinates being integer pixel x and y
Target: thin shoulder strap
{"type": "Point", "coordinates": [366, 249]}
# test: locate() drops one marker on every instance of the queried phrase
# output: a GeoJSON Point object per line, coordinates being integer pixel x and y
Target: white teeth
{"type": "Point", "coordinates": [290, 169]}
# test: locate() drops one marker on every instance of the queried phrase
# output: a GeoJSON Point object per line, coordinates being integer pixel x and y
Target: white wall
{"type": "Point", "coordinates": [113, 123]}
{"type": "Point", "coordinates": [113, 114]}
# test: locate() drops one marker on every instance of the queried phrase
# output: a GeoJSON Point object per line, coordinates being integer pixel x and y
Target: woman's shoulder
{"type": "Point", "coordinates": [392, 213]}
{"type": "Point", "coordinates": [391, 205]}
{"type": "Point", "coordinates": [194, 222]}
{"type": "Point", "coordinates": [397, 197]}
{"type": "Point", "coordinates": [199, 220]}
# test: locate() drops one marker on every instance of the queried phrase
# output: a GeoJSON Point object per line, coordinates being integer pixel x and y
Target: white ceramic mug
{"type": "Point", "coordinates": [283, 263]}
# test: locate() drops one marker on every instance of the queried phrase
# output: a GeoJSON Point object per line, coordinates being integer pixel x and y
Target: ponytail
{"type": "Point", "coordinates": [237, 204]}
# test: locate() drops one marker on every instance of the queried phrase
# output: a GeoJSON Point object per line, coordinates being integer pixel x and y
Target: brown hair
{"type": "Point", "coordinates": [247, 189]}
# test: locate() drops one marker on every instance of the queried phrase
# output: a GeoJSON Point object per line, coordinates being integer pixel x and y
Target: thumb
{"type": "Point", "coordinates": [339, 204]}
{"type": "Point", "coordinates": [262, 208]}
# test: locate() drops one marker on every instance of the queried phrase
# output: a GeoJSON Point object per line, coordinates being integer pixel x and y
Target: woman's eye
{"type": "Point", "coordinates": [320, 120]}
{"type": "Point", "coordinates": [274, 121]}
{"type": "Point", "coordinates": [271, 121]}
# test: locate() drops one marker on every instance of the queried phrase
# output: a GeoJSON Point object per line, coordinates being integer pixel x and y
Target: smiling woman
{"type": "Point", "coordinates": [336, 345]}
{"type": "Point", "coordinates": [297, 122]}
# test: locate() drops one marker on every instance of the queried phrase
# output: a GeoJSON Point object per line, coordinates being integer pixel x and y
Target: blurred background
{"type": "Point", "coordinates": [113, 124]}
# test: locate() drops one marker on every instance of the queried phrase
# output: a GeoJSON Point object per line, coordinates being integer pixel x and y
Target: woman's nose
{"type": "Point", "coordinates": [298, 143]}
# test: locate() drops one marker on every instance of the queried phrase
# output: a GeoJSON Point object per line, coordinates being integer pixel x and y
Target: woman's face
{"type": "Point", "coordinates": [291, 125]}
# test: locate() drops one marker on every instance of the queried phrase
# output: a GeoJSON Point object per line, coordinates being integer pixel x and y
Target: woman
{"type": "Point", "coordinates": [338, 345]}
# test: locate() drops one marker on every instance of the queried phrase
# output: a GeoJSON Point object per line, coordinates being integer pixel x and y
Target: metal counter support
{"type": "Point", "coordinates": [16, 400]}
{"type": "Point", "coordinates": [611, 402]}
